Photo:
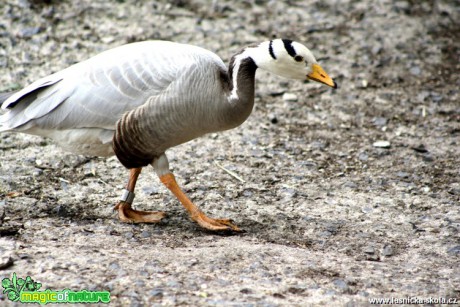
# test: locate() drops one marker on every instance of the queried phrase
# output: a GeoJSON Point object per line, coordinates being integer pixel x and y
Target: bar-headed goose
{"type": "Point", "coordinates": [140, 99]}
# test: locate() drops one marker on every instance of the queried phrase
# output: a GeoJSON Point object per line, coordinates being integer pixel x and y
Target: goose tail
{"type": "Point", "coordinates": [3, 97]}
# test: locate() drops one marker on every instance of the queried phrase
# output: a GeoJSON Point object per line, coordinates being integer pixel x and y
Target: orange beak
{"type": "Point", "coordinates": [319, 75]}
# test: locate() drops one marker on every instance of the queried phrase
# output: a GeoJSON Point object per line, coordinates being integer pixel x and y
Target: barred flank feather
{"type": "Point", "coordinates": [126, 143]}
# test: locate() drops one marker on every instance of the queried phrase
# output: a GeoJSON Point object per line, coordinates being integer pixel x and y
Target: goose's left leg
{"type": "Point", "coordinates": [128, 214]}
{"type": "Point", "coordinates": [161, 166]}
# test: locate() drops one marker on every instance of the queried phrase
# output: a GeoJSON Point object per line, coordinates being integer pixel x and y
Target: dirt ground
{"type": "Point", "coordinates": [348, 194]}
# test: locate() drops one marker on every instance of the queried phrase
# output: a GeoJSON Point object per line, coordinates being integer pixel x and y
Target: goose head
{"type": "Point", "coordinates": [289, 59]}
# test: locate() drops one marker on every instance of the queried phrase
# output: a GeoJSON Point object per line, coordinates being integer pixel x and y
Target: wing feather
{"type": "Point", "coordinates": [95, 93]}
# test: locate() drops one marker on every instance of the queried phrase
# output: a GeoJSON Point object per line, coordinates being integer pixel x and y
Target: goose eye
{"type": "Point", "coordinates": [298, 58]}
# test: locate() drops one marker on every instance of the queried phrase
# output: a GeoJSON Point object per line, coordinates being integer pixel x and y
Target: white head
{"type": "Point", "coordinates": [288, 59]}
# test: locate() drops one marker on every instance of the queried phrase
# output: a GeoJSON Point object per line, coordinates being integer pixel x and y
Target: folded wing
{"type": "Point", "coordinates": [90, 94]}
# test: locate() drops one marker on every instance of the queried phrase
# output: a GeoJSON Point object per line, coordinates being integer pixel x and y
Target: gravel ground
{"type": "Point", "coordinates": [348, 195]}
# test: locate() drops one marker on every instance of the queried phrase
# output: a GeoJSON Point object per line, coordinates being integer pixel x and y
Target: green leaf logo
{"type": "Point", "coordinates": [6, 283]}
{"type": "Point", "coordinates": [14, 287]}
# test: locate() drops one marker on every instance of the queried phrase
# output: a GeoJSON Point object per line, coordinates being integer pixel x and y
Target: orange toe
{"type": "Point", "coordinates": [129, 215]}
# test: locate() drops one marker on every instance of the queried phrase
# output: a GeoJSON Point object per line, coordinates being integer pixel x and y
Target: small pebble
{"type": "Point", "coordinates": [421, 97]}
{"type": "Point", "coordinates": [114, 266]}
{"type": "Point", "coordinates": [379, 121]}
{"type": "Point", "coordinates": [173, 284]}
{"type": "Point", "coordinates": [420, 148]}
{"type": "Point", "coordinates": [428, 158]}
{"type": "Point", "coordinates": [289, 97]}
{"type": "Point", "coordinates": [415, 70]}
{"type": "Point", "coordinates": [325, 234]}
{"type": "Point", "coordinates": [37, 172]}
{"type": "Point", "coordinates": [6, 262]}
{"type": "Point", "coordinates": [128, 235]}
{"type": "Point", "coordinates": [350, 184]}
{"type": "Point", "coordinates": [62, 211]}
{"type": "Point", "coordinates": [376, 49]}
{"type": "Point", "coordinates": [145, 234]}
{"type": "Point", "coordinates": [373, 257]}
{"type": "Point", "coordinates": [401, 174]}
{"type": "Point", "coordinates": [28, 32]}
{"type": "Point", "coordinates": [382, 144]}
{"type": "Point", "coordinates": [273, 119]}
{"type": "Point", "coordinates": [89, 169]}
{"type": "Point", "coordinates": [156, 292]}
{"type": "Point", "coordinates": [363, 156]}
{"type": "Point", "coordinates": [454, 250]}
{"type": "Point", "coordinates": [64, 185]}
{"type": "Point", "coordinates": [150, 190]}
{"type": "Point", "coordinates": [369, 250]}
{"type": "Point", "coordinates": [436, 97]}
{"type": "Point", "coordinates": [341, 284]}
{"type": "Point", "coordinates": [387, 250]}
{"type": "Point", "coordinates": [2, 209]}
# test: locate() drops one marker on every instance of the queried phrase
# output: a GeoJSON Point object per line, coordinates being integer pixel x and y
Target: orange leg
{"type": "Point", "coordinates": [196, 214]}
{"type": "Point", "coordinates": [129, 215]}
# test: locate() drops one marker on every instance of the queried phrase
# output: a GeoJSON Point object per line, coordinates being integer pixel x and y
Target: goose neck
{"type": "Point", "coordinates": [242, 71]}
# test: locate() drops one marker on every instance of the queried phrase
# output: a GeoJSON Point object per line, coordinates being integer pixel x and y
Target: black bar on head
{"type": "Point", "coordinates": [270, 50]}
{"type": "Point", "coordinates": [288, 46]}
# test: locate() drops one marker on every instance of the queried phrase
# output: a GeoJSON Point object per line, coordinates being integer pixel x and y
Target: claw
{"type": "Point", "coordinates": [215, 224]}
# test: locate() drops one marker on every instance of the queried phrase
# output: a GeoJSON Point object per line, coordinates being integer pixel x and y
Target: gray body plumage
{"type": "Point", "coordinates": [140, 99]}
{"type": "Point", "coordinates": [146, 97]}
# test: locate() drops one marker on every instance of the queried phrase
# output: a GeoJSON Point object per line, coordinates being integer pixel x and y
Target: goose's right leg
{"type": "Point", "coordinates": [128, 214]}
